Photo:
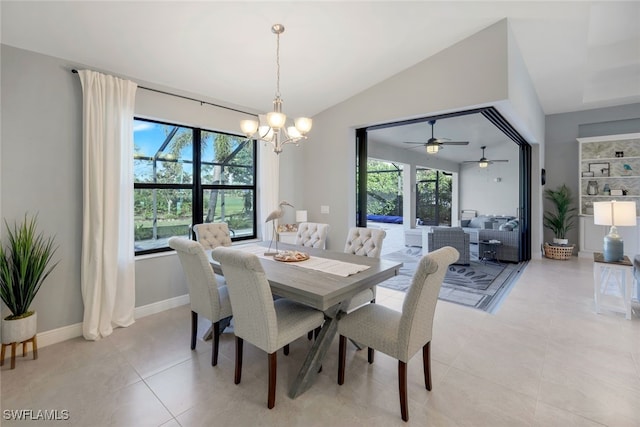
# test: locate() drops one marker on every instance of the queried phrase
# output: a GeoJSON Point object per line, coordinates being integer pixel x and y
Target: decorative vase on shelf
{"type": "Point", "coordinates": [606, 190]}
{"type": "Point", "coordinates": [592, 188]}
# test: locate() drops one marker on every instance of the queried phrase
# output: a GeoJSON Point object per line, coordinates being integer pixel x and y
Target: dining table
{"type": "Point", "coordinates": [326, 281]}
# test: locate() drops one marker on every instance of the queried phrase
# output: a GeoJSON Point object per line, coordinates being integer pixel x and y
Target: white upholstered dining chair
{"type": "Point", "coordinates": [312, 234]}
{"type": "Point", "coordinates": [364, 242]}
{"type": "Point", "coordinates": [212, 234]}
{"type": "Point", "coordinates": [258, 319]}
{"type": "Point", "coordinates": [401, 334]}
{"type": "Point", "coordinates": [207, 297]}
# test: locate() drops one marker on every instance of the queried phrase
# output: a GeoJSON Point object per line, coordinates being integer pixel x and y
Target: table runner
{"type": "Point", "coordinates": [325, 265]}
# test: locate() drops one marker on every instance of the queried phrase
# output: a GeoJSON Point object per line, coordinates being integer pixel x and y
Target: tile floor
{"type": "Point", "coordinates": [544, 359]}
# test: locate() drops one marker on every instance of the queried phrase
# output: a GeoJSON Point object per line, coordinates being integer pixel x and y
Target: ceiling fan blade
{"type": "Point", "coordinates": [455, 143]}
{"type": "Point", "coordinates": [498, 161]}
{"type": "Point", "coordinates": [408, 142]}
{"type": "Point", "coordinates": [471, 161]}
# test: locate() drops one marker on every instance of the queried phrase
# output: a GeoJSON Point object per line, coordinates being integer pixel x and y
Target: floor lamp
{"type": "Point", "coordinates": [615, 214]}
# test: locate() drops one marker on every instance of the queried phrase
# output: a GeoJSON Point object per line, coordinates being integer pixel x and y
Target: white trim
{"type": "Point", "coordinates": [160, 306]}
{"type": "Point", "coordinates": [64, 333]}
{"type": "Point", "coordinates": [620, 137]}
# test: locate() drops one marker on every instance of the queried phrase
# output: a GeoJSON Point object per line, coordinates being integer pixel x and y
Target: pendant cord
{"type": "Point", "coordinates": [278, 65]}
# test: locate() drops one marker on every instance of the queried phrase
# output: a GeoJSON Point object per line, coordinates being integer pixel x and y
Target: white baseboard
{"type": "Point", "coordinates": [160, 306]}
{"type": "Point", "coordinates": [64, 333]}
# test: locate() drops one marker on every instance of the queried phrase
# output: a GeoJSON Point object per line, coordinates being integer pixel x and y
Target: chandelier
{"type": "Point", "coordinates": [272, 127]}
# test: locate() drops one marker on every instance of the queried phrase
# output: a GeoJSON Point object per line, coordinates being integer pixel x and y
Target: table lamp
{"type": "Point", "coordinates": [301, 216]}
{"type": "Point", "coordinates": [615, 214]}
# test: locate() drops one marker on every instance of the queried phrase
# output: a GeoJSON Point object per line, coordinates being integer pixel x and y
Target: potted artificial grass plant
{"type": "Point", "coordinates": [24, 265]}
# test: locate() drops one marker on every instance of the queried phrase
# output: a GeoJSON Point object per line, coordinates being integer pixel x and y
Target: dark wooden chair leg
{"type": "Point", "coordinates": [215, 343]}
{"type": "Point", "coordinates": [341, 358]}
{"type": "Point", "coordinates": [24, 348]}
{"type": "Point", "coordinates": [273, 364]}
{"type": "Point", "coordinates": [194, 329]}
{"type": "Point", "coordinates": [286, 350]}
{"type": "Point", "coordinates": [402, 389]}
{"type": "Point", "coordinates": [370, 353]}
{"type": "Point", "coordinates": [316, 332]}
{"type": "Point", "coordinates": [426, 361]}
{"type": "Point", "coordinates": [238, 374]}
{"type": "Point", "coordinates": [309, 335]}
{"type": "Point", "coordinates": [4, 346]}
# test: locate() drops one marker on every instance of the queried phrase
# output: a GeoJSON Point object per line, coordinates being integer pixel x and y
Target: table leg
{"type": "Point", "coordinates": [309, 370]}
{"type": "Point", "coordinates": [597, 276]}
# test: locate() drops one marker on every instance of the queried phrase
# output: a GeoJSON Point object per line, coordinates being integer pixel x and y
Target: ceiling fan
{"type": "Point", "coordinates": [433, 145]}
{"type": "Point", "coordinates": [484, 162]}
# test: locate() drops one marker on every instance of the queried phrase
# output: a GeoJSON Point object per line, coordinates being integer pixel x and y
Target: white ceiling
{"type": "Point", "coordinates": [580, 55]}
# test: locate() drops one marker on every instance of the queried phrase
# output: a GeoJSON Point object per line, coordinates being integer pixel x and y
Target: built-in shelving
{"type": "Point", "coordinates": [620, 171]}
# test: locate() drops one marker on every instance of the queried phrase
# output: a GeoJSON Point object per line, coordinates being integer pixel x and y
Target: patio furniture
{"type": "Point", "coordinates": [439, 237]}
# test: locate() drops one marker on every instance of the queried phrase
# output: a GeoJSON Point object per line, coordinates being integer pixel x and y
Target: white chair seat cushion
{"type": "Point", "coordinates": [294, 321]}
{"type": "Point", "coordinates": [361, 298]}
{"type": "Point", "coordinates": [374, 326]}
{"type": "Point", "coordinates": [225, 302]}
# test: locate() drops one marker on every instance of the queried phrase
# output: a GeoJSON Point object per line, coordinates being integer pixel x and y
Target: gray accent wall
{"type": "Point", "coordinates": [561, 145]}
{"type": "Point", "coordinates": [41, 172]}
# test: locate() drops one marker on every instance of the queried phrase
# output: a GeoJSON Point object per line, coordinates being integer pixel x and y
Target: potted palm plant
{"type": "Point", "coordinates": [562, 218]}
{"type": "Point", "coordinates": [24, 265]}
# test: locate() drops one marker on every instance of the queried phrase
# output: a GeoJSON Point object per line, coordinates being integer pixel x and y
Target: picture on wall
{"type": "Point", "coordinates": [599, 169]}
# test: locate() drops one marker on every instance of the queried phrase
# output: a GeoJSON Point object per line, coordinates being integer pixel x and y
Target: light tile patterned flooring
{"type": "Point", "coordinates": [545, 359]}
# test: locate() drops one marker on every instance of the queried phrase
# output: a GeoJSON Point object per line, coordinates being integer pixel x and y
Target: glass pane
{"type": "Point", "coordinates": [160, 214]}
{"type": "Point", "coordinates": [384, 188]}
{"type": "Point", "coordinates": [235, 207]}
{"type": "Point", "coordinates": [162, 153]}
{"type": "Point", "coordinates": [222, 164]}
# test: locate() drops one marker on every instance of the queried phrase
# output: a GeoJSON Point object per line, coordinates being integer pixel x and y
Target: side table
{"type": "Point", "coordinates": [612, 283]}
{"type": "Point", "coordinates": [489, 250]}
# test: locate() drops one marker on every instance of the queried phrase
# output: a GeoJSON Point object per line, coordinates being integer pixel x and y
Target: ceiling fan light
{"type": "Point", "coordinates": [483, 164]}
{"type": "Point", "coordinates": [432, 148]}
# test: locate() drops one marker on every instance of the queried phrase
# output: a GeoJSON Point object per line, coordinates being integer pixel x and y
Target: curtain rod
{"type": "Point", "coordinates": [74, 71]}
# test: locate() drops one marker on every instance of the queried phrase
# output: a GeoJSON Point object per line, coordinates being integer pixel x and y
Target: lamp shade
{"type": "Point", "coordinates": [614, 213]}
{"type": "Point", "coordinates": [301, 216]}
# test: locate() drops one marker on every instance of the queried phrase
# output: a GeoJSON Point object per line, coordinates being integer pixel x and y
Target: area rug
{"type": "Point", "coordinates": [479, 285]}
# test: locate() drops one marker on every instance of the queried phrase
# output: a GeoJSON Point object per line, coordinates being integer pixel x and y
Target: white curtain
{"type": "Point", "coordinates": [107, 265]}
{"type": "Point", "coordinates": [268, 185]}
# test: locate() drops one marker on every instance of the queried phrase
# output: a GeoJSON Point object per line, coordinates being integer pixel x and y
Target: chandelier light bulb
{"type": "Point", "coordinates": [249, 127]}
{"type": "Point", "coordinates": [293, 132]}
{"type": "Point", "coordinates": [303, 124]}
{"type": "Point", "coordinates": [276, 120]}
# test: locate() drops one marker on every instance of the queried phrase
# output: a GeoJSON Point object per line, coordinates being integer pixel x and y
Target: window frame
{"type": "Point", "coordinates": [197, 187]}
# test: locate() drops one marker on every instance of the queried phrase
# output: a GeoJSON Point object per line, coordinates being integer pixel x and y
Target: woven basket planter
{"type": "Point", "coordinates": [558, 252]}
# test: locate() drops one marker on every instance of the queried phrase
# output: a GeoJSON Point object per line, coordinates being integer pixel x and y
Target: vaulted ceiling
{"type": "Point", "coordinates": [580, 55]}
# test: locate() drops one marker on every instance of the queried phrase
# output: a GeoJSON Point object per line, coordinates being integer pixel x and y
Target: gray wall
{"type": "Point", "coordinates": [41, 172]}
{"type": "Point", "coordinates": [561, 146]}
{"type": "Point", "coordinates": [447, 81]}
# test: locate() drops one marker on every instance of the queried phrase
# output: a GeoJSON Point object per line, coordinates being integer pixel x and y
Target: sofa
{"type": "Point", "coordinates": [503, 228]}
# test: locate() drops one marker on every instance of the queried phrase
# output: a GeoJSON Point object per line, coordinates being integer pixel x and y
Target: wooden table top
{"type": "Point", "coordinates": [318, 289]}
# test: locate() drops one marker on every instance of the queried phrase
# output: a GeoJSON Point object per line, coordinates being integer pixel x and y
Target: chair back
{"type": "Point", "coordinates": [312, 235]}
{"type": "Point", "coordinates": [365, 241]}
{"type": "Point", "coordinates": [202, 283]}
{"type": "Point", "coordinates": [419, 304]}
{"type": "Point", "coordinates": [212, 234]}
{"type": "Point", "coordinates": [254, 314]}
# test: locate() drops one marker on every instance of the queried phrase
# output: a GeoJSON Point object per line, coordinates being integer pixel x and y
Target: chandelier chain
{"type": "Point", "coordinates": [278, 65]}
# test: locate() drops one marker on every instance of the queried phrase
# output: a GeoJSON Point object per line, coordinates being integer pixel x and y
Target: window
{"type": "Point", "coordinates": [433, 197]}
{"type": "Point", "coordinates": [185, 176]}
